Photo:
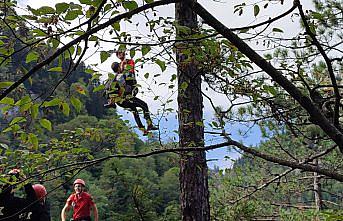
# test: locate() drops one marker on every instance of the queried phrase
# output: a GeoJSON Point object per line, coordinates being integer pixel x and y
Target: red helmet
{"type": "Point", "coordinates": [40, 191]}
{"type": "Point", "coordinates": [79, 181]}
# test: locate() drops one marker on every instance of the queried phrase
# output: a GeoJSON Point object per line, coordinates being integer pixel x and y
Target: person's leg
{"type": "Point", "coordinates": [133, 108]}
{"type": "Point", "coordinates": [140, 103]}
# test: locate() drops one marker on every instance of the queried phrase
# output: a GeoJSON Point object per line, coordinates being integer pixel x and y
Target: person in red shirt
{"type": "Point", "coordinates": [81, 202]}
{"type": "Point", "coordinates": [125, 91]}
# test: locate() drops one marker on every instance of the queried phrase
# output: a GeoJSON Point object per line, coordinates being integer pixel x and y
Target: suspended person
{"type": "Point", "coordinates": [33, 207]}
{"type": "Point", "coordinates": [122, 90]}
{"type": "Point", "coordinates": [81, 202]}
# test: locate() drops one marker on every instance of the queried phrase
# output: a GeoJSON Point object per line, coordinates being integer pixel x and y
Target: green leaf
{"type": "Point", "coordinates": [17, 120]}
{"type": "Point", "coordinates": [56, 69]}
{"type": "Point", "coordinates": [104, 55]}
{"type": "Point", "coordinates": [132, 53]}
{"type": "Point", "coordinates": [71, 15]}
{"type": "Point", "coordinates": [32, 56]}
{"type": "Point", "coordinates": [34, 111]}
{"type": "Point", "coordinates": [39, 33]}
{"type": "Point", "coordinates": [99, 88]}
{"type": "Point", "coordinates": [8, 129]}
{"type": "Point", "coordinates": [53, 102]}
{"type": "Point", "coordinates": [107, 7]}
{"type": "Point", "coordinates": [256, 10]}
{"type": "Point", "coordinates": [149, 1]}
{"type": "Point", "coordinates": [317, 15]}
{"type": "Point", "coordinates": [130, 5]}
{"type": "Point", "coordinates": [76, 103]}
{"type": "Point", "coordinates": [270, 89]}
{"type": "Point", "coordinates": [145, 49]}
{"type": "Point", "coordinates": [61, 7]}
{"type": "Point", "coordinates": [7, 100]}
{"type": "Point", "coordinates": [69, 52]}
{"type": "Point", "coordinates": [173, 78]}
{"type": "Point", "coordinates": [33, 140]}
{"type": "Point", "coordinates": [1, 43]}
{"type": "Point", "coordinates": [89, 71]}
{"type": "Point", "coordinates": [24, 100]}
{"type": "Point", "coordinates": [55, 42]}
{"type": "Point", "coordinates": [65, 108]}
{"type": "Point", "coordinates": [87, 2]}
{"type": "Point", "coordinates": [162, 64]}
{"type": "Point", "coordinates": [183, 29]}
{"type": "Point", "coordinates": [215, 124]}
{"type": "Point", "coordinates": [30, 17]}
{"type": "Point", "coordinates": [46, 10]}
{"type": "Point", "coordinates": [46, 124]}
{"type": "Point", "coordinates": [116, 26]}
{"type": "Point", "coordinates": [93, 38]}
{"type": "Point", "coordinates": [277, 30]}
{"type": "Point", "coordinates": [5, 84]}
{"type": "Point", "coordinates": [25, 106]}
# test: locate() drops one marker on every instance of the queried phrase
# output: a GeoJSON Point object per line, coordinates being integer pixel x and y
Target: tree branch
{"type": "Point", "coordinates": [83, 37]}
{"type": "Point", "coordinates": [334, 133]}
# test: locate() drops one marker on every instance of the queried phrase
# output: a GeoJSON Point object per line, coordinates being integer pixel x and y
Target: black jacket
{"type": "Point", "coordinates": [14, 208]}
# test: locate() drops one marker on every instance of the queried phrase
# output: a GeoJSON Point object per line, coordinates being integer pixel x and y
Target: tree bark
{"type": "Point", "coordinates": [317, 189]}
{"type": "Point", "coordinates": [193, 168]}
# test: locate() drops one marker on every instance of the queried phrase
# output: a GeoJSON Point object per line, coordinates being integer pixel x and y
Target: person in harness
{"type": "Point", "coordinates": [122, 90]}
{"type": "Point", "coordinates": [32, 207]}
{"type": "Point", "coordinates": [81, 202]}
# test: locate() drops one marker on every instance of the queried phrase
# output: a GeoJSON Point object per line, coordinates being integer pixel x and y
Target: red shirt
{"type": "Point", "coordinates": [131, 63]}
{"type": "Point", "coordinates": [81, 204]}
{"type": "Point", "coordinates": [128, 62]}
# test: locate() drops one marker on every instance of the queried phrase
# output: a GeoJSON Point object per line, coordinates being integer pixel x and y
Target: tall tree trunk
{"type": "Point", "coordinates": [317, 189]}
{"type": "Point", "coordinates": [193, 168]}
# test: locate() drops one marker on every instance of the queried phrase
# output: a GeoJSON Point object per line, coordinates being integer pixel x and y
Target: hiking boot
{"type": "Point", "coordinates": [144, 131]}
{"type": "Point", "coordinates": [152, 127]}
{"type": "Point", "coordinates": [110, 105]}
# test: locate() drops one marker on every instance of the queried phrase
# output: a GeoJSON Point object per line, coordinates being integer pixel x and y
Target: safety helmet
{"type": "Point", "coordinates": [115, 67]}
{"type": "Point", "coordinates": [40, 191]}
{"type": "Point", "coordinates": [79, 181]}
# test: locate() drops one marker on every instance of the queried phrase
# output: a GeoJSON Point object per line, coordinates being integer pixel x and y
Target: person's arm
{"type": "Point", "coordinates": [64, 210]}
{"type": "Point", "coordinates": [30, 193]}
{"type": "Point", "coordinates": [95, 212]}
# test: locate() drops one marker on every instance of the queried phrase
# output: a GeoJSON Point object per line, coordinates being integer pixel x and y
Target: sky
{"type": "Point", "coordinates": [223, 11]}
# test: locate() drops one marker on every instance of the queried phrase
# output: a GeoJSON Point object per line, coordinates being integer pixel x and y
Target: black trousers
{"type": "Point", "coordinates": [134, 103]}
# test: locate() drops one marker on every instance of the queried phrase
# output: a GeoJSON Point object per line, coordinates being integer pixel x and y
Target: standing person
{"type": "Point", "coordinates": [125, 90]}
{"type": "Point", "coordinates": [39, 209]}
{"type": "Point", "coordinates": [81, 202]}
{"type": "Point", "coordinates": [13, 208]}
